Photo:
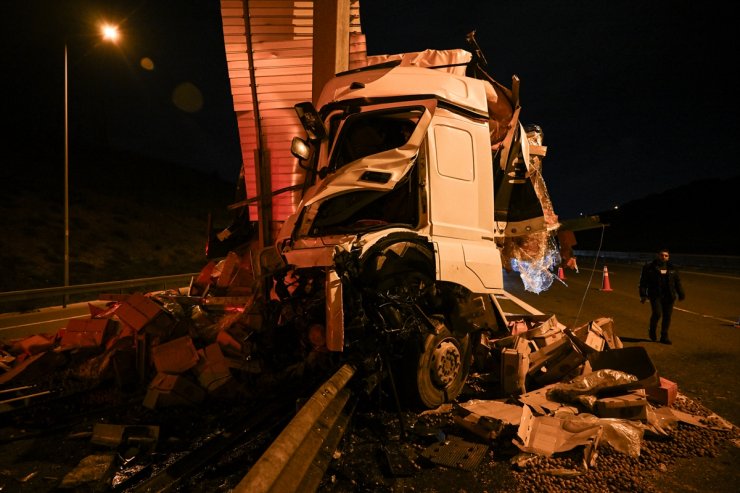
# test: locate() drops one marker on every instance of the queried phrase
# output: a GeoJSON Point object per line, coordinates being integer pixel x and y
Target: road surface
{"type": "Point", "coordinates": [704, 359]}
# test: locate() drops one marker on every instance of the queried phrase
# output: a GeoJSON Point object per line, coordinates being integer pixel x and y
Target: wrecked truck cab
{"type": "Point", "coordinates": [398, 211]}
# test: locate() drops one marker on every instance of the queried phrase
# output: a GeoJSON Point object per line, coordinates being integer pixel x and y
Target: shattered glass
{"type": "Point", "coordinates": [535, 257]}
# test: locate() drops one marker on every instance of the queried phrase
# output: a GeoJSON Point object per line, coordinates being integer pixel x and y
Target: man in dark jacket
{"type": "Point", "coordinates": [661, 284]}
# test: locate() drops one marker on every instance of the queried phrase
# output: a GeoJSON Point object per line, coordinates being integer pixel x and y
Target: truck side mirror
{"type": "Point", "coordinates": [311, 121]}
{"type": "Point", "coordinates": [299, 148]}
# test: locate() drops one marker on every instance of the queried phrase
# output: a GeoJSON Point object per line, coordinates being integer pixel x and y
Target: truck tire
{"type": "Point", "coordinates": [433, 366]}
{"type": "Point", "coordinates": [442, 367]}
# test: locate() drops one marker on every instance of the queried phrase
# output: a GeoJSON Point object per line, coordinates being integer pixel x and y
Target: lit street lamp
{"type": "Point", "coordinates": [109, 33]}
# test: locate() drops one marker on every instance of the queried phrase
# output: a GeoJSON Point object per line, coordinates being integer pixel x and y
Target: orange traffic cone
{"type": "Point", "coordinates": [561, 274]}
{"type": "Point", "coordinates": [605, 286]}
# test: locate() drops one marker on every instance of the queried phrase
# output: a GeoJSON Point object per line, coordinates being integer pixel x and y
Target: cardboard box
{"type": "Point", "coordinates": [92, 332]}
{"type": "Point", "coordinates": [524, 345]}
{"type": "Point", "coordinates": [172, 390]}
{"type": "Point", "coordinates": [549, 337]}
{"type": "Point", "coordinates": [547, 435]}
{"type": "Point", "coordinates": [539, 358]}
{"type": "Point", "coordinates": [175, 356]}
{"type": "Point", "coordinates": [212, 370]}
{"type": "Point", "coordinates": [540, 326]}
{"type": "Point", "coordinates": [113, 435]}
{"type": "Point", "coordinates": [138, 311]}
{"type": "Point", "coordinates": [517, 327]}
{"type": "Point", "coordinates": [606, 325]}
{"type": "Point", "coordinates": [514, 367]}
{"type": "Point", "coordinates": [595, 340]}
{"type": "Point", "coordinates": [632, 405]}
{"type": "Point", "coordinates": [664, 394]}
{"type": "Point", "coordinates": [560, 367]}
{"type": "Point", "coordinates": [554, 362]}
{"type": "Point", "coordinates": [548, 332]}
{"type": "Point", "coordinates": [483, 426]}
{"type": "Point", "coordinates": [34, 344]}
{"type": "Point", "coordinates": [633, 360]}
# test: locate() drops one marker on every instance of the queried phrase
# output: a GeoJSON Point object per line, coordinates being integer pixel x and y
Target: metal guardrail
{"type": "Point", "coordinates": [725, 263]}
{"type": "Point", "coordinates": [63, 292]}
{"type": "Point", "coordinates": [289, 464]}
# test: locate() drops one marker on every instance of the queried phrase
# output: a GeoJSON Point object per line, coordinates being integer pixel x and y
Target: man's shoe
{"type": "Point", "coordinates": [652, 336]}
{"type": "Point", "coordinates": [665, 340]}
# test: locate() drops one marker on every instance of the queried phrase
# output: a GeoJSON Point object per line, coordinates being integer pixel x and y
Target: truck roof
{"type": "Point", "coordinates": [404, 78]}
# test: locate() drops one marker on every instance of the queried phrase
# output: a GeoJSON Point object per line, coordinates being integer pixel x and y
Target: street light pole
{"type": "Point", "coordinates": [110, 33]}
{"type": "Point", "coordinates": [66, 178]}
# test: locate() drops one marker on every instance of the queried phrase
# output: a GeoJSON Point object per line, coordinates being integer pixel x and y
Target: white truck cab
{"type": "Point", "coordinates": [420, 181]}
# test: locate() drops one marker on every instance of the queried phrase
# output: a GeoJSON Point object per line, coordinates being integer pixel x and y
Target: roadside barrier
{"type": "Point", "coordinates": [44, 297]}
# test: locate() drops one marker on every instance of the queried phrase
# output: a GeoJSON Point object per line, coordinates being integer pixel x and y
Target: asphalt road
{"type": "Point", "coordinates": [704, 359]}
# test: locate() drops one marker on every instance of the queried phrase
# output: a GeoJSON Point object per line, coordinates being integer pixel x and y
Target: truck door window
{"type": "Point", "coordinates": [369, 133]}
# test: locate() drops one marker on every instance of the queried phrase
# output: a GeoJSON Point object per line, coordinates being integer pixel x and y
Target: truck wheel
{"type": "Point", "coordinates": [432, 367]}
{"type": "Point", "coordinates": [442, 367]}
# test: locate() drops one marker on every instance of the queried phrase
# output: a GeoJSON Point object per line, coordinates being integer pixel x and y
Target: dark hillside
{"type": "Point", "coordinates": [699, 218]}
{"type": "Point", "coordinates": [129, 217]}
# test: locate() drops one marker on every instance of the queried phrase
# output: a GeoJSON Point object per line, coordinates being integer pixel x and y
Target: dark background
{"type": "Point", "coordinates": [162, 92]}
{"type": "Point", "coordinates": [634, 97]}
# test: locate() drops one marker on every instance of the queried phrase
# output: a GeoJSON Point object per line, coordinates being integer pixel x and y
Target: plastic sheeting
{"type": "Point", "coordinates": [452, 61]}
{"type": "Point", "coordinates": [534, 257]}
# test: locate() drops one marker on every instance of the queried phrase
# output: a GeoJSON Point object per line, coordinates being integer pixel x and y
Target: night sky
{"type": "Point", "coordinates": [634, 97]}
{"type": "Point", "coordinates": [162, 92]}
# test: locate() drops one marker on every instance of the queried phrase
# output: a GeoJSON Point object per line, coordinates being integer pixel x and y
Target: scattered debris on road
{"type": "Point", "coordinates": [545, 389]}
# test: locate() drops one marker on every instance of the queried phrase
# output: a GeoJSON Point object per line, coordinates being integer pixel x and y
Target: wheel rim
{"type": "Point", "coordinates": [441, 368]}
{"type": "Point", "coordinates": [445, 364]}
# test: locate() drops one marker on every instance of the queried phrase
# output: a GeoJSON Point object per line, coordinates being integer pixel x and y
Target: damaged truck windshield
{"type": "Point", "coordinates": [357, 137]}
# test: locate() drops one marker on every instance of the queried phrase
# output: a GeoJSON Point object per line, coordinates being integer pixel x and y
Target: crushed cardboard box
{"type": "Point", "coordinates": [547, 435]}
{"type": "Point", "coordinates": [172, 390]}
{"type": "Point", "coordinates": [487, 419]}
{"type": "Point", "coordinates": [175, 356]}
{"type": "Point", "coordinates": [139, 311]}
{"type": "Point", "coordinates": [212, 369]}
{"type": "Point", "coordinates": [93, 332]}
{"type": "Point", "coordinates": [631, 406]}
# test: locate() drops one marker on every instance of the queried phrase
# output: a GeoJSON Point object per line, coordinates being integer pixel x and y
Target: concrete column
{"type": "Point", "coordinates": [330, 41]}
